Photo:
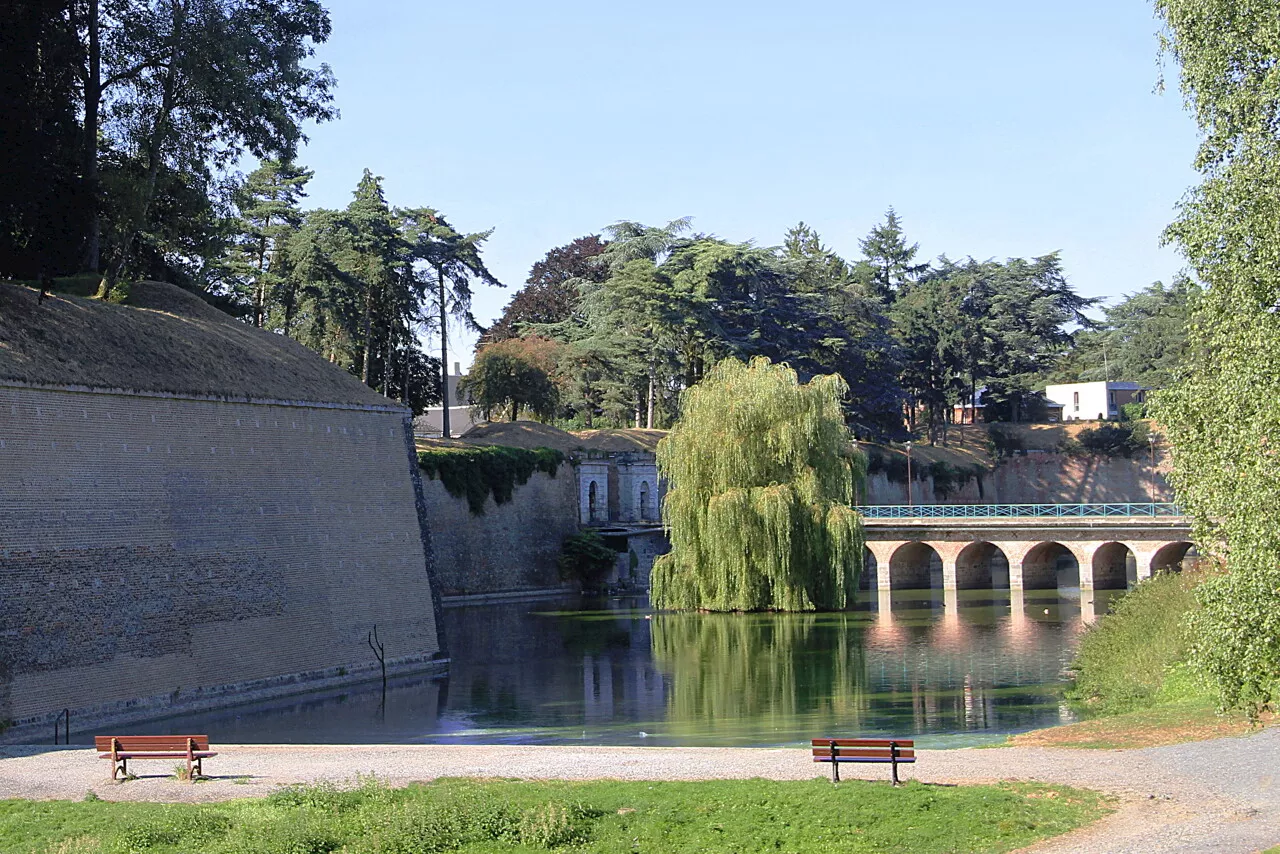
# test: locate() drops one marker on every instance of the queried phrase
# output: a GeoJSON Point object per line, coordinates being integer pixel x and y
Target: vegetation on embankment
{"type": "Point", "coordinates": [524, 816]}
{"type": "Point", "coordinates": [1135, 657]}
{"type": "Point", "coordinates": [1132, 679]}
{"type": "Point", "coordinates": [479, 472]}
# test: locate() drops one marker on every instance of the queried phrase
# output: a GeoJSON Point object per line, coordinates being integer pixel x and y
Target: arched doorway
{"type": "Point", "coordinates": [915, 566]}
{"type": "Point", "coordinates": [1170, 557]}
{"type": "Point", "coordinates": [981, 565]}
{"type": "Point", "coordinates": [1114, 567]}
{"type": "Point", "coordinates": [645, 513]}
{"type": "Point", "coordinates": [1050, 566]}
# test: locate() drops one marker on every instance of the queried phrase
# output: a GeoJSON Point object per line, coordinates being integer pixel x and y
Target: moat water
{"type": "Point", "coordinates": [614, 672]}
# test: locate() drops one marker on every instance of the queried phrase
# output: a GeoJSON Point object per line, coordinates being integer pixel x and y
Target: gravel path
{"type": "Point", "coordinates": [1214, 796]}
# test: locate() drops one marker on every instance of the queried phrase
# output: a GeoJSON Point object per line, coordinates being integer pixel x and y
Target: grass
{"type": "Point", "coordinates": [1167, 723]}
{"type": "Point", "coordinates": [165, 340]}
{"type": "Point", "coordinates": [604, 816]}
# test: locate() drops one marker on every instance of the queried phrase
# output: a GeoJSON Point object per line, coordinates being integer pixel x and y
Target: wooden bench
{"type": "Point", "coordinates": [121, 748]}
{"type": "Point", "coordinates": [837, 750]}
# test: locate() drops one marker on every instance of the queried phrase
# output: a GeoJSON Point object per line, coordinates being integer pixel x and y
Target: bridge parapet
{"type": "Point", "coordinates": [1128, 510]}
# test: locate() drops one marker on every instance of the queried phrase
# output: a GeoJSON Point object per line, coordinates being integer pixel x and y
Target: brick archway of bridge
{"type": "Point", "coordinates": [1101, 548]}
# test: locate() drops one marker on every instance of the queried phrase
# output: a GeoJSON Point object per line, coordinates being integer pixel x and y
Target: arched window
{"type": "Point", "coordinates": [591, 502]}
{"type": "Point", "coordinates": [645, 514]}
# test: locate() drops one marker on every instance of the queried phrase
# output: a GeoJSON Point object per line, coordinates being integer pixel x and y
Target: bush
{"type": "Point", "coordinates": [1126, 657]}
{"type": "Point", "coordinates": [1133, 411]}
{"type": "Point", "coordinates": [1002, 443]}
{"type": "Point", "coordinates": [1109, 440]}
{"type": "Point", "coordinates": [586, 559]}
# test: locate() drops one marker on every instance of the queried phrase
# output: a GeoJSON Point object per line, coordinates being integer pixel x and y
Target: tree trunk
{"type": "Point", "coordinates": [155, 154]}
{"type": "Point", "coordinates": [649, 417]}
{"type": "Point", "coordinates": [366, 332]}
{"type": "Point", "coordinates": [260, 287]}
{"type": "Point", "coordinates": [92, 105]}
{"type": "Point", "coordinates": [444, 355]}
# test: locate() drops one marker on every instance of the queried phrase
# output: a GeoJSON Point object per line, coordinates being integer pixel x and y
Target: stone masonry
{"type": "Point", "coordinates": [158, 549]}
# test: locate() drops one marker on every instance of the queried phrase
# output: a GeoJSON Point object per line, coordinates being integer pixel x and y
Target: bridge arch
{"type": "Point", "coordinates": [1049, 565]}
{"type": "Point", "coordinates": [915, 565]}
{"type": "Point", "coordinates": [1170, 556]}
{"type": "Point", "coordinates": [982, 565]}
{"type": "Point", "coordinates": [1115, 566]}
{"type": "Point", "coordinates": [869, 579]}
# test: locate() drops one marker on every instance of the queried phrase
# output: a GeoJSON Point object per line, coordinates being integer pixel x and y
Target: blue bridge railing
{"type": "Point", "coordinates": [1017, 511]}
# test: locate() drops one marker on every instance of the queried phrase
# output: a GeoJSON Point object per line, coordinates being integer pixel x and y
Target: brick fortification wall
{"type": "Point", "coordinates": [511, 546]}
{"type": "Point", "coordinates": [1048, 478]}
{"type": "Point", "coordinates": [159, 551]}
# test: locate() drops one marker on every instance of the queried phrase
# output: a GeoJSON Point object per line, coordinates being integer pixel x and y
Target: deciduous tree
{"type": "Point", "coordinates": [761, 471]}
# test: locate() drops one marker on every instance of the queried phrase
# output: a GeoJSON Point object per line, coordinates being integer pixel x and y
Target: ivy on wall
{"type": "Point", "coordinates": [477, 473]}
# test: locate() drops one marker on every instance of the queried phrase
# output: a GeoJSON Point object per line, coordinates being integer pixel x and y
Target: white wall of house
{"type": "Point", "coordinates": [1093, 401]}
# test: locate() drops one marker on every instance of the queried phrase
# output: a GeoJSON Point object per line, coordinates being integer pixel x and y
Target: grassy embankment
{"type": "Point", "coordinates": [1131, 677]}
{"type": "Point", "coordinates": [515, 816]}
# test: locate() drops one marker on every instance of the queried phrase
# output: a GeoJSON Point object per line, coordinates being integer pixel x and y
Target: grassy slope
{"type": "Point", "coordinates": [166, 340]}
{"type": "Point", "coordinates": [515, 816]}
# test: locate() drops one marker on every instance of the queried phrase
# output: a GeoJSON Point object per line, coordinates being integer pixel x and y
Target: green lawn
{"type": "Point", "coordinates": [520, 816]}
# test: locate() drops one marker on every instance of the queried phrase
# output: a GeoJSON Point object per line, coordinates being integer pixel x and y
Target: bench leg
{"type": "Point", "coordinates": [119, 767]}
{"type": "Point", "coordinates": [199, 772]}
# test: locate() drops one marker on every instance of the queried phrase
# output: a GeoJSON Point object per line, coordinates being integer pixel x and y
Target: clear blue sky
{"type": "Point", "coordinates": [995, 129]}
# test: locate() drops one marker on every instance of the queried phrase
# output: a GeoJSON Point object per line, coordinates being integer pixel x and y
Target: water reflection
{"type": "Point", "coordinates": [951, 667]}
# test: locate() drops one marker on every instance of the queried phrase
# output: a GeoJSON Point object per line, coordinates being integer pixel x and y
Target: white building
{"type": "Point", "coordinates": [1099, 401]}
{"type": "Point", "coordinates": [462, 415]}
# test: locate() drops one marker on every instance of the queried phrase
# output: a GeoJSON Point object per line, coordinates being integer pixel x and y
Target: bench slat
{"type": "Point", "coordinates": [882, 761]}
{"type": "Point", "coordinates": [819, 754]}
{"type": "Point", "coordinates": [902, 743]}
{"type": "Point", "coordinates": [199, 754]}
{"type": "Point", "coordinates": [151, 742]}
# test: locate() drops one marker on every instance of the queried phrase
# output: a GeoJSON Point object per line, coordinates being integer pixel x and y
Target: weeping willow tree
{"type": "Point", "coordinates": [761, 473]}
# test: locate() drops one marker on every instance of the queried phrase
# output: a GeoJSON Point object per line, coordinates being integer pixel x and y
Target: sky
{"type": "Point", "coordinates": [995, 129]}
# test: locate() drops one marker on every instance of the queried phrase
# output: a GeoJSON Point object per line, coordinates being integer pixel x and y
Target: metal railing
{"type": "Point", "coordinates": [1018, 511]}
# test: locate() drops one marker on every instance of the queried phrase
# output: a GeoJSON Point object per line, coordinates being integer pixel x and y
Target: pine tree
{"type": "Point", "coordinates": [888, 269]}
{"type": "Point", "coordinates": [269, 217]}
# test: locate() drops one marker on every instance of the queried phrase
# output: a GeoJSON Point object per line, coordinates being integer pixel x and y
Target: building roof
{"type": "Point", "coordinates": [166, 340]}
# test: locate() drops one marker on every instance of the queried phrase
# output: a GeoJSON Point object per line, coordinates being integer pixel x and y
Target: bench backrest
{"type": "Point", "coordinates": [150, 743]}
{"type": "Point", "coordinates": [863, 749]}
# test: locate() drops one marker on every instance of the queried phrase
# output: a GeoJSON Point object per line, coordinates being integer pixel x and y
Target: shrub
{"type": "Point", "coordinates": [586, 559]}
{"type": "Point", "coordinates": [1125, 658]}
{"type": "Point", "coordinates": [1002, 443]}
{"type": "Point", "coordinates": [1110, 440]}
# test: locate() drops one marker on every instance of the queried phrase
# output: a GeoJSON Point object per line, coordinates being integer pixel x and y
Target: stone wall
{"type": "Point", "coordinates": [511, 546]}
{"type": "Point", "coordinates": [1041, 477]}
{"type": "Point", "coordinates": [158, 551]}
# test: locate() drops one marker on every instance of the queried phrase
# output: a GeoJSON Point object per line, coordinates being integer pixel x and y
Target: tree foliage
{"type": "Point", "coordinates": [761, 472]}
{"type": "Point", "coordinates": [514, 374]}
{"type": "Point", "coordinates": [1223, 415]}
{"type": "Point", "coordinates": [1142, 338]}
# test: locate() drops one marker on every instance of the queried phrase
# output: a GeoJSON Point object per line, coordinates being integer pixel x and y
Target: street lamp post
{"type": "Point", "coordinates": [910, 501]}
{"type": "Point", "coordinates": [1151, 482]}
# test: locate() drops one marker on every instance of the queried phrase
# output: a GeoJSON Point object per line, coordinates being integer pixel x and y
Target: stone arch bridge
{"type": "Point", "coordinates": [1023, 546]}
